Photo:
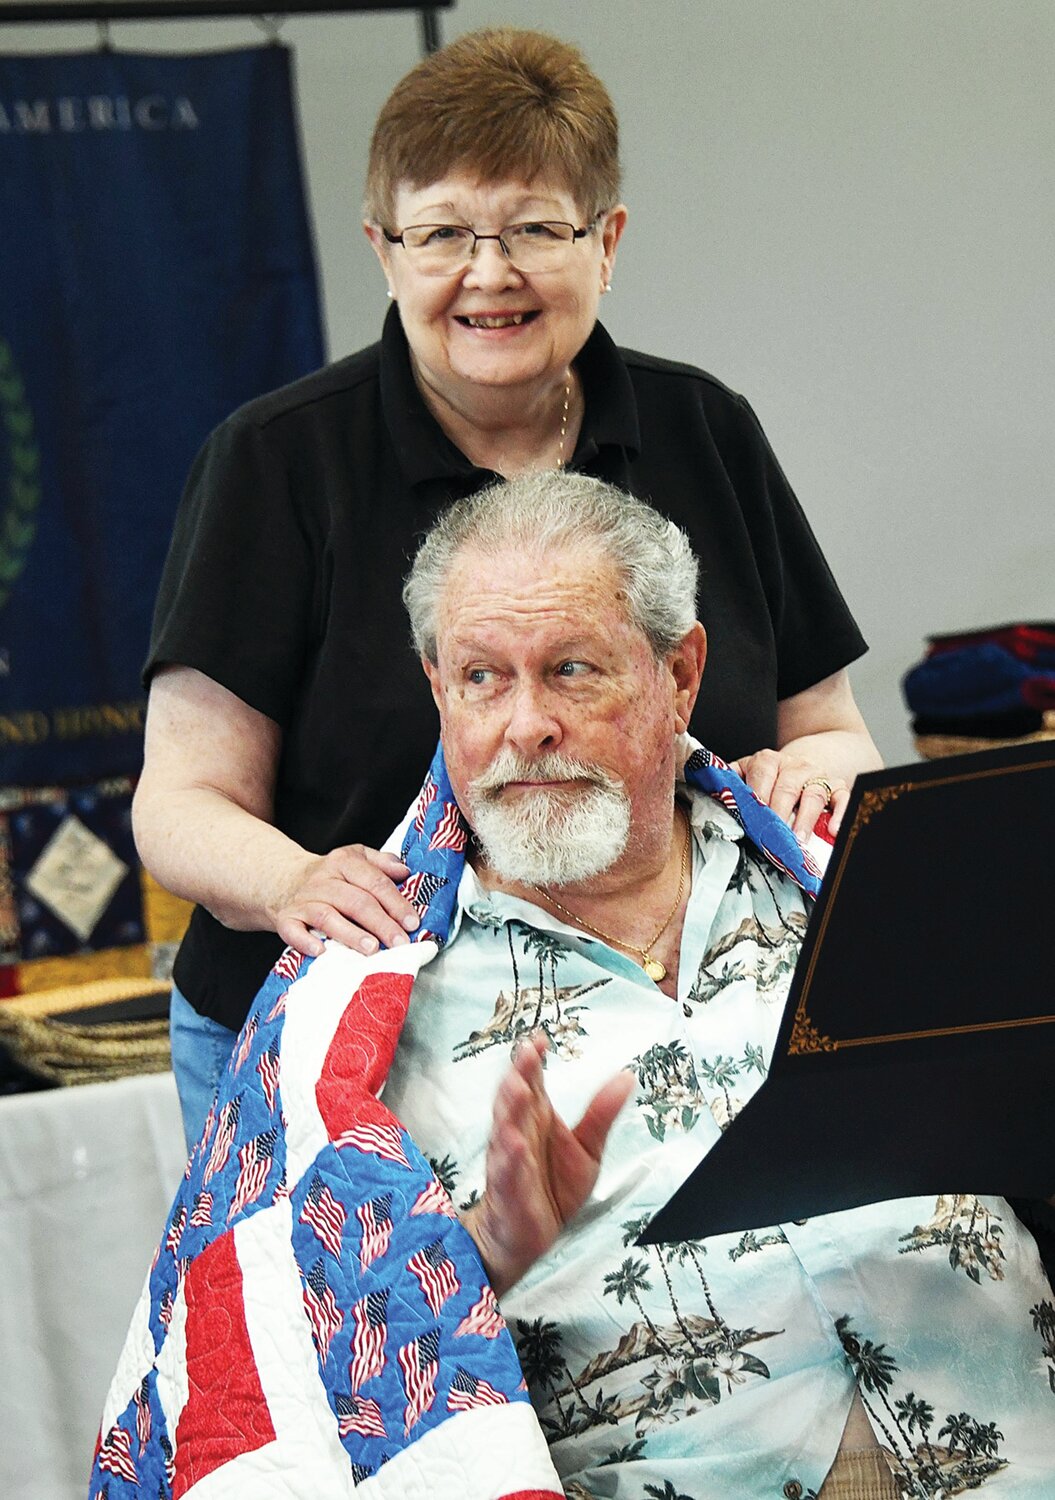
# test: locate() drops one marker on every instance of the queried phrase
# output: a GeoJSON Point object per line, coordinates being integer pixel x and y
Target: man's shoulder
{"type": "Point", "coordinates": [710, 819]}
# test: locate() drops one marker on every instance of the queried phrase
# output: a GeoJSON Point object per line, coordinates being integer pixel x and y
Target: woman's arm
{"type": "Point", "coordinates": [821, 737]}
{"type": "Point", "coordinates": [202, 819]}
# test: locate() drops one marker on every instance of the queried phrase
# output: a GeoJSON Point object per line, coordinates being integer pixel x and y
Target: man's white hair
{"type": "Point", "coordinates": [538, 513]}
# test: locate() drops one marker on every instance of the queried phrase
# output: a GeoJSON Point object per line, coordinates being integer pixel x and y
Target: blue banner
{"type": "Point", "coordinates": [156, 270]}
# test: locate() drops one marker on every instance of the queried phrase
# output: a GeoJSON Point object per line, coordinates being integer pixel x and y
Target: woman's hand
{"type": "Point", "coordinates": [539, 1171]}
{"type": "Point", "coordinates": [795, 786]}
{"type": "Point", "coordinates": [202, 817]}
{"type": "Point", "coordinates": [349, 895]}
{"type": "Point", "coordinates": [822, 745]}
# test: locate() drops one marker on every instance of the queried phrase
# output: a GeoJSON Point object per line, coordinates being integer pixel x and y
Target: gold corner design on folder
{"type": "Point", "coordinates": [806, 1038]}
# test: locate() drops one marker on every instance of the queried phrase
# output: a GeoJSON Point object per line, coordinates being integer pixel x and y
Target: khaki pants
{"type": "Point", "coordinates": [859, 1476]}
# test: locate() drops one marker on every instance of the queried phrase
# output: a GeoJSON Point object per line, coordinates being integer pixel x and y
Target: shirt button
{"type": "Point", "coordinates": [793, 1490]}
{"type": "Point", "coordinates": [852, 1346]}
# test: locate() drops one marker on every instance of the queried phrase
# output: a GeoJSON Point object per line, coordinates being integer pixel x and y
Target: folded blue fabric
{"type": "Point", "coordinates": [984, 679]}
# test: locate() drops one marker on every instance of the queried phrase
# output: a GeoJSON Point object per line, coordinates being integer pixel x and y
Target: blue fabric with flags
{"type": "Point", "coordinates": [158, 271]}
{"type": "Point", "coordinates": [435, 858]}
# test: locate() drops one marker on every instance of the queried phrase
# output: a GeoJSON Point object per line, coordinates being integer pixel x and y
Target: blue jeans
{"type": "Point", "coordinates": [200, 1049]}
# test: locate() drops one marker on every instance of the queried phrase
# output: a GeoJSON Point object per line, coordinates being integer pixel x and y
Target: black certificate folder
{"type": "Point", "coordinates": [916, 1053]}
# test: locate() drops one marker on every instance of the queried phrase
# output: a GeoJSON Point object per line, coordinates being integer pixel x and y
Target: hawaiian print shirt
{"type": "Point", "coordinates": [721, 1368]}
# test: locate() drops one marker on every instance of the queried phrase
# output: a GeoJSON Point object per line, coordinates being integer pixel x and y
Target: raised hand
{"type": "Point", "coordinates": [540, 1171]}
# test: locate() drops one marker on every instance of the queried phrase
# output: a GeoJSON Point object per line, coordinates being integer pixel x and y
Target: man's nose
{"type": "Point", "coordinates": [533, 725]}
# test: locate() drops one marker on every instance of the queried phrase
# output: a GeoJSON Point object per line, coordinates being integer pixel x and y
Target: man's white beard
{"type": "Point", "coordinates": [547, 837]}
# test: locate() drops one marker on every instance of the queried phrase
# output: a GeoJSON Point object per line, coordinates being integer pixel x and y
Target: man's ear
{"type": "Point", "coordinates": [432, 672]}
{"type": "Point", "coordinates": [686, 663]}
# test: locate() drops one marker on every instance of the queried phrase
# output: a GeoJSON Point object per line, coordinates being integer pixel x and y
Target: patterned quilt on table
{"type": "Point", "coordinates": [316, 1320]}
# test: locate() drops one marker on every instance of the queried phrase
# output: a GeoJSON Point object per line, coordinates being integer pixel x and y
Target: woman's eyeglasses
{"type": "Point", "coordinates": [444, 249]}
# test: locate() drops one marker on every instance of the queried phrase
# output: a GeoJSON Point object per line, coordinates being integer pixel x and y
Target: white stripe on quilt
{"type": "Point", "coordinates": [173, 1385]}
{"type": "Point", "coordinates": [470, 1457]}
{"type": "Point", "coordinates": [313, 1009]}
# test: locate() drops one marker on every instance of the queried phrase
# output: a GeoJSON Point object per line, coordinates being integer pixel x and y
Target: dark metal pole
{"type": "Point", "coordinates": [430, 30]}
{"type": "Point", "coordinates": [163, 10]}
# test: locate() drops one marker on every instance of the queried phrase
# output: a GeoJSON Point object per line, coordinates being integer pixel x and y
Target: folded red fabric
{"type": "Point", "coordinates": [1032, 643]}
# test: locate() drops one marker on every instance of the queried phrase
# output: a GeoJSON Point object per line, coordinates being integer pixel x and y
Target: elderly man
{"type": "Point", "coordinates": [610, 908]}
{"type": "Point", "coordinates": [633, 923]}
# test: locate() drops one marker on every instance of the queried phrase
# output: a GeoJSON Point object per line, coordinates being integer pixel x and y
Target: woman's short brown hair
{"type": "Point", "coordinates": [501, 104]}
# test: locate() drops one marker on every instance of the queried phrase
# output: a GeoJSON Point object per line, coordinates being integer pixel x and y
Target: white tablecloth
{"type": "Point", "coordinates": [86, 1179]}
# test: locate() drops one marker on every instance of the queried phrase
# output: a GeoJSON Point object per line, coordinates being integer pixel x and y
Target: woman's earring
{"type": "Point", "coordinates": [391, 295]}
{"type": "Point", "coordinates": [607, 287]}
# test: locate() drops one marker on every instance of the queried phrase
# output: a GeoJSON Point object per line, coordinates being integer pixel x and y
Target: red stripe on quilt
{"type": "Point", "coordinates": [226, 1413]}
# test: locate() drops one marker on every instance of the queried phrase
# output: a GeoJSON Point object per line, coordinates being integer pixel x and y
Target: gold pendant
{"type": "Point", "coordinates": [653, 968]}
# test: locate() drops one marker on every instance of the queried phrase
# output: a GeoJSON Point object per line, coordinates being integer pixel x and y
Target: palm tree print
{"type": "Point", "coordinates": [924, 1468]}
{"type": "Point", "coordinates": [528, 1008]}
{"type": "Point", "coordinates": [670, 1097]}
{"type": "Point", "coordinates": [753, 1060]}
{"type": "Point", "coordinates": [692, 1250]}
{"type": "Point", "coordinates": [740, 881]}
{"type": "Point", "coordinates": [629, 1453]}
{"type": "Point", "coordinates": [1043, 1316]}
{"type": "Point", "coordinates": [494, 923]}
{"type": "Point", "coordinates": [775, 948]}
{"type": "Point", "coordinates": [539, 1347]}
{"type": "Point", "coordinates": [548, 950]}
{"type": "Point", "coordinates": [749, 1243]}
{"type": "Point", "coordinates": [915, 1414]}
{"type": "Point", "coordinates": [793, 923]}
{"type": "Point", "coordinates": [631, 1231]}
{"type": "Point", "coordinates": [697, 1360]}
{"type": "Point", "coordinates": [875, 1370]}
{"type": "Point", "coordinates": [446, 1172]}
{"type": "Point", "coordinates": [631, 1280]}
{"type": "Point", "coordinates": [964, 1225]}
{"type": "Point", "coordinates": [668, 1492]}
{"type": "Point", "coordinates": [708, 984]}
{"type": "Point", "coordinates": [720, 1074]}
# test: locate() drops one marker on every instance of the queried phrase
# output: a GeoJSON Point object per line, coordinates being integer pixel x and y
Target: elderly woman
{"type": "Point", "coordinates": [288, 723]}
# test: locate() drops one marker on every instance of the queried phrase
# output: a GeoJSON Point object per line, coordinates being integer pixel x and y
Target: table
{"type": "Point", "coordinates": [87, 1176]}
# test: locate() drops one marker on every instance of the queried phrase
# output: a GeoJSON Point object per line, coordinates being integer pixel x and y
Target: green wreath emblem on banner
{"type": "Point", "coordinates": [19, 475]}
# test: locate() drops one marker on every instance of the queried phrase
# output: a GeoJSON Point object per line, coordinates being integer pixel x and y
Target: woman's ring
{"type": "Point", "coordinates": [820, 781]}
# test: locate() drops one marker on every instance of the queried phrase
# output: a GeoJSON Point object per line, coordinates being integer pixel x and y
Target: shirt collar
{"type": "Point", "coordinates": [707, 818]}
{"type": "Point", "coordinates": [425, 451]}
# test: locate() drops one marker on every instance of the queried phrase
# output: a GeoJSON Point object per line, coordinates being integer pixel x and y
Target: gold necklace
{"type": "Point", "coordinates": [652, 966]}
{"type": "Point", "coordinates": [564, 421]}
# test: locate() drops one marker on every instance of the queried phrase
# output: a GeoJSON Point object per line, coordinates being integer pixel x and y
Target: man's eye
{"type": "Point", "coordinates": [572, 669]}
{"type": "Point", "coordinates": [478, 676]}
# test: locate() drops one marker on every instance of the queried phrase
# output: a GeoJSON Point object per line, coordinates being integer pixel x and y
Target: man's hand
{"type": "Point", "coordinates": [539, 1171]}
{"type": "Point", "coordinates": [349, 895]}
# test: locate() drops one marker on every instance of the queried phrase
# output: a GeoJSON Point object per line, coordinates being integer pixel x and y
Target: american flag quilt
{"type": "Point", "coordinates": [316, 1321]}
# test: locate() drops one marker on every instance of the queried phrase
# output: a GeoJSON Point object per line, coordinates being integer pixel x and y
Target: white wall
{"type": "Point", "coordinates": [843, 208]}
